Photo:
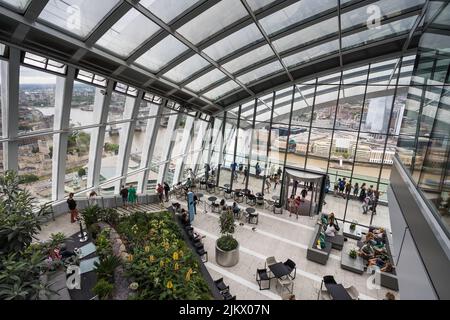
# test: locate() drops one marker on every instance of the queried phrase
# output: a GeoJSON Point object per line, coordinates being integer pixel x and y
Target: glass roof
{"type": "Point", "coordinates": [186, 68]}
{"type": "Point", "coordinates": [167, 10]}
{"type": "Point", "coordinates": [301, 31]}
{"type": "Point", "coordinates": [78, 17]}
{"type": "Point", "coordinates": [161, 53]}
{"type": "Point", "coordinates": [213, 20]}
{"type": "Point", "coordinates": [128, 33]}
{"type": "Point", "coordinates": [19, 5]}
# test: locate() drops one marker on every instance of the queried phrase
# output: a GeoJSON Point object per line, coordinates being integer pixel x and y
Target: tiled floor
{"type": "Point", "coordinates": [275, 235]}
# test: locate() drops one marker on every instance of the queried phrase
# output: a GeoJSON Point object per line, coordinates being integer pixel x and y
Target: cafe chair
{"type": "Point", "coordinates": [285, 284]}
{"type": "Point", "coordinates": [291, 266]}
{"type": "Point", "coordinates": [262, 275]}
{"type": "Point", "coordinates": [202, 253]}
{"type": "Point", "coordinates": [353, 292]}
{"type": "Point", "coordinates": [221, 286]}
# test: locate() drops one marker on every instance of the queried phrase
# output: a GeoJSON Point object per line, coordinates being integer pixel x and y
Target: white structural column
{"type": "Point", "coordinates": [211, 138]}
{"type": "Point", "coordinates": [168, 145]}
{"type": "Point", "coordinates": [126, 138]}
{"type": "Point", "coordinates": [217, 142]}
{"type": "Point", "coordinates": [63, 98]}
{"type": "Point", "coordinates": [186, 142]}
{"type": "Point", "coordinates": [151, 133]}
{"type": "Point", "coordinates": [101, 104]}
{"type": "Point", "coordinates": [10, 73]}
{"type": "Point", "coordinates": [203, 135]}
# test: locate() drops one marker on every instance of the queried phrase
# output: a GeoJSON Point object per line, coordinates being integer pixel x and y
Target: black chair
{"type": "Point", "coordinates": [262, 275]}
{"type": "Point", "coordinates": [202, 253]}
{"type": "Point", "coordinates": [221, 286]}
{"type": "Point", "coordinates": [329, 279]}
{"type": "Point", "coordinates": [251, 199]}
{"type": "Point", "coordinates": [292, 267]}
{"type": "Point", "coordinates": [227, 296]}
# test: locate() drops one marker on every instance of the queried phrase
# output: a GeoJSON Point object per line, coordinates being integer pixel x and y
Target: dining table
{"type": "Point", "coordinates": [337, 291]}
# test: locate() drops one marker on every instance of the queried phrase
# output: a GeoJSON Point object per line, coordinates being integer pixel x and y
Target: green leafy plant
{"type": "Point", "coordinates": [159, 259]}
{"type": "Point", "coordinates": [353, 225]}
{"type": "Point", "coordinates": [20, 217]}
{"type": "Point", "coordinates": [105, 268]}
{"type": "Point", "coordinates": [91, 215]}
{"type": "Point", "coordinates": [353, 254]}
{"type": "Point", "coordinates": [226, 242]}
{"type": "Point", "coordinates": [81, 172]}
{"type": "Point", "coordinates": [103, 289]}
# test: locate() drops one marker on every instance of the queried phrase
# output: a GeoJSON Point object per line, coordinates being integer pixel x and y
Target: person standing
{"type": "Point", "coordinates": [166, 191]}
{"type": "Point", "coordinates": [72, 204]}
{"type": "Point", "coordinates": [294, 187]}
{"type": "Point", "coordinates": [257, 169]}
{"type": "Point", "coordinates": [276, 181]}
{"type": "Point", "coordinates": [304, 193]}
{"type": "Point", "coordinates": [124, 195]}
{"type": "Point", "coordinates": [279, 172]}
{"type": "Point", "coordinates": [159, 191]}
{"type": "Point", "coordinates": [356, 189]}
{"type": "Point", "coordinates": [207, 168]}
{"type": "Point", "coordinates": [132, 197]}
{"type": "Point", "coordinates": [245, 175]}
{"type": "Point", "coordinates": [362, 193]}
{"type": "Point", "coordinates": [348, 189]}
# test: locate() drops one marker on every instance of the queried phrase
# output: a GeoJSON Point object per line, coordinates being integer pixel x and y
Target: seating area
{"type": "Point", "coordinates": [282, 272]}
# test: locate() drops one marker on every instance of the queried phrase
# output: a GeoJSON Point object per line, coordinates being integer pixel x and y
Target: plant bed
{"type": "Point", "coordinates": [159, 263]}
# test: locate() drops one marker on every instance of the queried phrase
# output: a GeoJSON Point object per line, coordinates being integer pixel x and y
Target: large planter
{"type": "Point", "coordinates": [227, 258]}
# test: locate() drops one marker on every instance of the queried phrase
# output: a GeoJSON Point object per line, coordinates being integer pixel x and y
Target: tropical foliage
{"type": "Point", "coordinates": [160, 264]}
{"type": "Point", "coordinates": [94, 214]}
{"type": "Point", "coordinates": [21, 263]}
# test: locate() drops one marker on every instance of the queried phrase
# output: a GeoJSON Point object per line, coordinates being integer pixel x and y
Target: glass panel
{"type": "Point", "coordinates": [212, 20]}
{"type": "Point", "coordinates": [377, 111]}
{"type": "Point", "coordinates": [294, 13]}
{"type": "Point", "coordinates": [161, 53]}
{"type": "Point", "coordinates": [348, 115]}
{"type": "Point", "coordinates": [110, 157]}
{"type": "Point", "coordinates": [260, 72]}
{"type": "Point", "coordinates": [221, 90]}
{"type": "Point", "coordinates": [128, 33]}
{"type": "Point", "coordinates": [233, 42]}
{"type": "Point", "coordinates": [311, 53]}
{"type": "Point", "coordinates": [167, 10]}
{"type": "Point", "coordinates": [36, 100]}
{"type": "Point", "coordinates": [205, 80]}
{"type": "Point", "coordinates": [303, 105]}
{"type": "Point", "coordinates": [77, 160]}
{"type": "Point", "coordinates": [370, 147]}
{"type": "Point", "coordinates": [384, 31]}
{"type": "Point", "coordinates": [187, 68]}
{"type": "Point", "coordinates": [385, 8]}
{"type": "Point", "coordinates": [257, 4]}
{"type": "Point", "coordinates": [116, 109]}
{"type": "Point", "coordinates": [248, 58]}
{"type": "Point", "coordinates": [35, 166]}
{"type": "Point", "coordinates": [308, 34]}
{"type": "Point", "coordinates": [78, 17]}
{"type": "Point", "coordinates": [82, 105]}
{"type": "Point", "coordinates": [20, 5]}
{"type": "Point", "coordinates": [325, 106]}
{"type": "Point", "coordinates": [319, 150]}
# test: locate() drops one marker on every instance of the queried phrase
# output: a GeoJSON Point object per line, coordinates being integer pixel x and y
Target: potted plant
{"type": "Point", "coordinates": [227, 247]}
{"type": "Point", "coordinates": [353, 253]}
{"type": "Point", "coordinates": [353, 225]}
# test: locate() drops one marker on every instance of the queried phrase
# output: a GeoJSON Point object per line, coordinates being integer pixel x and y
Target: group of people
{"type": "Point", "coordinates": [374, 251]}
{"type": "Point", "coordinates": [368, 196]}
{"type": "Point", "coordinates": [294, 201]}
{"type": "Point", "coordinates": [163, 190]}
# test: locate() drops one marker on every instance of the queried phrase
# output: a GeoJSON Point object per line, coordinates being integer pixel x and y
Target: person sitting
{"type": "Point", "coordinates": [223, 205]}
{"type": "Point", "coordinates": [235, 209]}
{"type": "Point", "coordinates": [332, 227]}
{"type": "Point", "coordinates": [185, 218]}
{"type": "Point", "coordinates": [367, 251]}
{"type": "Point", "coordinates": [388, 267]}
{"type": "Point", "coordinates": [333, 220]}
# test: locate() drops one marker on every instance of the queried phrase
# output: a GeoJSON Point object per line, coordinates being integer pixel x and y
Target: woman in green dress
{"type": "Point", "coordinates": [132, 197]}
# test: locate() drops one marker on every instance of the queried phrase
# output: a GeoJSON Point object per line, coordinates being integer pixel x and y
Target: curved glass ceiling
{"type": "Point", "coordinates": [187, 42]}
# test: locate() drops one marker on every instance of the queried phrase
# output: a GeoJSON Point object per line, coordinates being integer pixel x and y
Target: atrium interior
{"type": "Point", "coordinates": [225, 149]}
